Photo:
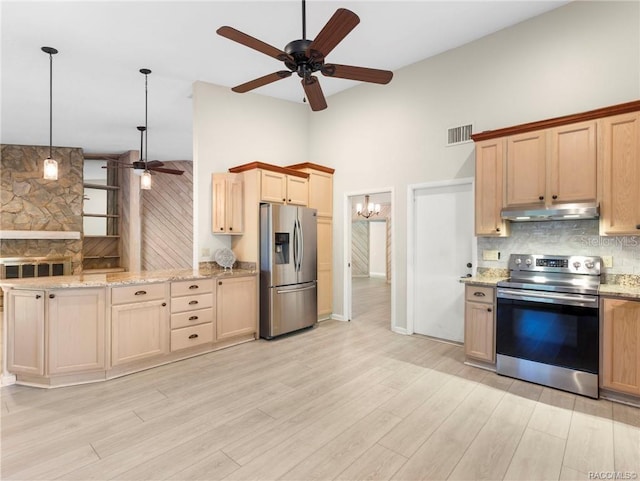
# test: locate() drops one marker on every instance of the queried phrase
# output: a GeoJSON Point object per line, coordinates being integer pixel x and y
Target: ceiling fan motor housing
{"type": "Point", "coordinates": [304, 66]}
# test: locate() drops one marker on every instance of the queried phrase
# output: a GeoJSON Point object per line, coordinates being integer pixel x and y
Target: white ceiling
{"type": "Point", "coordinates": [98, 96]}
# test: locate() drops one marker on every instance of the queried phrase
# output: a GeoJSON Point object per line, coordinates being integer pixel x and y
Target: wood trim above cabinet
{"type": "Point", "coordinates": [273, 168]}
{"type": "Point", "coordinates": [311, 165]}
{"type": "Point", "coordinates": [559, 121]}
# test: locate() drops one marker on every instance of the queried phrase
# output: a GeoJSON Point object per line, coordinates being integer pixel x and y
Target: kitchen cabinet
{"type": "Point", "coordinates": [139, 322]}
{"type": "Point", "coordinates": [25, 314]}
{"type": "Point", "coordinates": [489, 188]}
{"type": "Point", "coordinates": [227, 208]}
{"type": "Point", "coordinates": [621, 345]}
{"type": "Point", "coordinates": [557, 165]}
{"type": "Point", "coordinates": [76, 341]}
{"type": "Point", "coordinates": [280, 188]}
{"type": "Point", "coordinates": [619, 140]}
{"type": "Point", "coordinates": [192, 314]}
{"type": "Point", "coordinates": [236, 307]}
{"type": "Point", "coordinates": [479, 323]}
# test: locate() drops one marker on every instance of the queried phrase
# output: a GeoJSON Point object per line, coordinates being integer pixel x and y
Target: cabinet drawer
{"type": "Point", "coordinates": [191, 318]}
{"type": "Point", "coordinates": [189, 303]}
{"type": "Point", "coordinates": [479, 294]}
{"type": "Point", "coordinates": [137, 293]}
{"type": "Point", "coordinates": [187, 288]}
{"type": "Point", "coordinates": [191, 336]}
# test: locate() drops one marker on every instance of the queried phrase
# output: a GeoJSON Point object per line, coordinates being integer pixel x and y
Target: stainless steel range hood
{"type": "Point", "coordinates": [530, 213]}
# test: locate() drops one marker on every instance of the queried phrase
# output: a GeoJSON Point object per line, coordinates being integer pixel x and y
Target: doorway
{"type": "Point", "coordinates": [368, 246]}
{"type": "Point", "coordinates": [441, 252]}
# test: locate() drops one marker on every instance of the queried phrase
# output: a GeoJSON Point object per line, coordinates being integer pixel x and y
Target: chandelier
{"type": "Point", "coordinates": [369, 208]}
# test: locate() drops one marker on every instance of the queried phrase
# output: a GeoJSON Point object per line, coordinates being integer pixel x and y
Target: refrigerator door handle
{"type": "Point", "coordinates": [297, 290]}
{"type": "Point", "coordinates": [301, 250]}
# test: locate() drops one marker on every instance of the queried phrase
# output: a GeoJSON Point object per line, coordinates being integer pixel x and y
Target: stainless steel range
{"type": "Point", "coordinates": [547, 323]}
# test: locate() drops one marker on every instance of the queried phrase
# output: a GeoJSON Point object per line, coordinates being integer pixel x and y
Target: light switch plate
{"type": "Point", "coordinates": [607, 261]}
{"type": "Point", "coordinates": [490, 255]}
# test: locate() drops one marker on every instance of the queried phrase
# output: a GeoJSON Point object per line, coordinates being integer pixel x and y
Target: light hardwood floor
{"type": "Point", "coordinates": [345, 400]}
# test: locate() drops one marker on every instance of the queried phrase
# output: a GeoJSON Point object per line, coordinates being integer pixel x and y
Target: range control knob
{"type": "Point", "coordinates": [577, 264]}
{"type": "Point", "coordinates": [528, 262]}
{"type": "Point", "coordinates": [518, 261]}
{"type": "Point", "coordinates": [589, 264]}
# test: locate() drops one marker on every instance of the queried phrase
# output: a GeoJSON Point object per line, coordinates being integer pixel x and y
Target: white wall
{"type": "Point", "coordinates": [231, 129]}
{"type": "Point", "coordinates": [579, 57]}
{"type": "Point", "coordinates": [378, 248]}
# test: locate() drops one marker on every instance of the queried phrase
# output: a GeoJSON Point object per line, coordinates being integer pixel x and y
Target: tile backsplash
{"type": "Point", "coordinates": [567, 237]}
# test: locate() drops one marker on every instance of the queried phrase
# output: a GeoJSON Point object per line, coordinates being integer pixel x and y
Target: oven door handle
{"type": "Point", "coordinates": [548, 297]}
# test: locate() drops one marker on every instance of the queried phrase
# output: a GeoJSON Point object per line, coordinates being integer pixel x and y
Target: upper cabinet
{"type": "Point", "coordinates": [227, 208]}
{"type": "Point", "coordinates": [280, 188]}
{"type": "Point", "coordinates": [552, 166]}
{"type": "Point", "coordinates": [489, 188]}
{"type": "Point", "coordinates": [619, 142]}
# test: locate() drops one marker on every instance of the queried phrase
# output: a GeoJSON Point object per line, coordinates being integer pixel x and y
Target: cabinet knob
{"type": "Point", "coordinates": [38, 296]}
{"type": "Point", "coordinates": [230, 228]}
{"type": "Point", "coordinates": [554, 197]}
{"type": "Point", "coordinates": [284, 200]}
{"type": "Point", "coordinates": [289, 200]}
{"type": "Point", "coordinates": [221, 228]}
{"type": "Point", "coordinates": [469, 265]}
{"type": "Point", "coordinates": [479, 294]}
{"type": "Point", "coordinates": [193, 336]}
{"type": "Point", "coordinates": [488, 309]}
{"type": "Point", "coordinates": [164, 304]}
{"type": "Point", "coordinates": [497, 229]}
{"type": "Point", "coordinates": [219, 283]}
{"type": "Point", "coordinates": [140, 293]}
{"type": "Point", "coordinates": [541, 197]}
{"type": "Point", "coordinates": [52, 296]}
{"type": "Point", "coordinates": [638, 227]}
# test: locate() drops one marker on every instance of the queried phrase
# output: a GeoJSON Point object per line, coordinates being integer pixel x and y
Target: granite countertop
{"type": "Point", "coordinates": [620, 290]}
{"type": "Point", "coordinates": [121, 278]}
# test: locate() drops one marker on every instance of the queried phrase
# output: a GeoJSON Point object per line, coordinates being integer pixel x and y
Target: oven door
{"type": "Point", "coordinates": [555, 329]}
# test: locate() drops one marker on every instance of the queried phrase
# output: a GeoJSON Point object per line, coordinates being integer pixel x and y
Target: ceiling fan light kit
{"type": "Point", "coordinates": [306, 57]}
{"type": "Point", "coordinates": [50, 165]}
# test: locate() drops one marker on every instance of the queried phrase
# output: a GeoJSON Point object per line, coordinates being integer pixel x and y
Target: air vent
{"type": "Point", "coordinates": [459, 135]}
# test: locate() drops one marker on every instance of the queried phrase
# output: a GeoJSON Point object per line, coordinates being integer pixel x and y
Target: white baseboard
{"type": "Point", "coordinates": [338, 317]}
{"type": "Point", "coordinates": [382, 275]}
{"type": "Point", "coordinates": [8, 379]}
{"type": "Point", "coordinates": [400, 330]}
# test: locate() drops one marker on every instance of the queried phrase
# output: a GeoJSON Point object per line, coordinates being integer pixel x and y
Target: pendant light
{"type": "Point", "coordinates": [50, 165]}
{"type": "Point", "coordinates": [368, 209]}
{"type": "Point", "coordinates": [145, 178]}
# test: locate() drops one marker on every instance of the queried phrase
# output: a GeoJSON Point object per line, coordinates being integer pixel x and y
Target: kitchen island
{"type": "Point", "coordinates": [69, 330]}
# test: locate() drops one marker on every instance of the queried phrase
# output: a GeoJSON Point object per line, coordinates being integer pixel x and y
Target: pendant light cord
{"type": "Point", "coordinates": [146, 127]}
{"type": "Point", "coordinates": [50, 106]}
{"type": "Point", "coordinates": [304, 20]}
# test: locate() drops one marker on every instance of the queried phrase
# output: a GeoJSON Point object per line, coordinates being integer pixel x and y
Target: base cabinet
{"type": "Point", "coordinates": [236, 307]}
{"type": "Point", "coordinates": [479, 323]}
{"type": "Point", "coordinates": [621, 346]}
{"type": "Point", "coordinates": [25, 349]}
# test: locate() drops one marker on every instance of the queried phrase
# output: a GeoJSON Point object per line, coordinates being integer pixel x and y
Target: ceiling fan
{"type": "Point", "coordinates": [306, 57]}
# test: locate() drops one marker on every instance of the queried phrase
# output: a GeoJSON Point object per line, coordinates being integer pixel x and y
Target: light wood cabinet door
{"type": "Point", "coordinates": [621, 346]}
{"type": "Point", "coordinates": [489, 191]}
{"type": "Point", "coordinates": [325, 267]}
{"type": "Point", "coordinates": [619, 137]}
{"type": "Point", "coordinates": [139, 331]}
{"type": "Point", "coordinates": [297, 190]}
{"type": "Point", "coordinates": [572, 164]}
{"type": "Point", "coordinates": [479, 324]}
{"type": "Point", "coordinates": [236, 306]}
{"type": "Point", "coordinates": [227, 208]}
{"type": "Point", "coordinates": [76, 340]}
{"type": "Point", "coordinates": [526, 168]}
{"type": "Point", "coordinates": [273, 187]}
{"type": "Point", "coordinates": [25, 349]}
{"type": "Point", "coordinates": [321, 193]}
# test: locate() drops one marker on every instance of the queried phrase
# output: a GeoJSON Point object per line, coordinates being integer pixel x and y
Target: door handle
{"type": "Point", "coordinates": [296, 290]}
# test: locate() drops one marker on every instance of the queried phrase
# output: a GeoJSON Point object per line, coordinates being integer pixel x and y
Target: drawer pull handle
{"type": "Point", "coordinates": [479, 294]}
{"type": "Point", "coordinates": [191, 303]}
{"type": "Point", "coordinates": [52, 296]}
{"type": "Point", "coordinates": [140, 293]}
{"type": "Point", "coordinates": [194, 286]}
{"type": "Point", "coordinates": [488, 309]}
{"type": "Point", "coordinates": [193, 318]}
{"type": "Point", "coordinates": [38, 296]}
{"type": "Point", "coordinates": [164, 304]}
{"type": "Point", "coordinates": [193, 336]}
{"type": "Point", "coordinates": [219, 283]}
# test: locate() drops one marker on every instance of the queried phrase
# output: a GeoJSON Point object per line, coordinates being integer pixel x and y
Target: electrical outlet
{"type": "Point", "coordinates": [607, 261]}
{"type": "Point", "coordinates": [206, 252]}
{"type": "Point", "coordinates": [490, 255]}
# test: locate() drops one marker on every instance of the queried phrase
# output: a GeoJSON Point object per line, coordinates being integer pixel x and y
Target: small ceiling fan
{"type": "Point", "coordinates": [306, 57]}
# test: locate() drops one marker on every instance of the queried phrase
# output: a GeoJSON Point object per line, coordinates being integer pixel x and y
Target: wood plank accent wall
{"type": "Point", "coordinates": [360, 241]}
{"type": "Point", "coordinates": [167, 220]}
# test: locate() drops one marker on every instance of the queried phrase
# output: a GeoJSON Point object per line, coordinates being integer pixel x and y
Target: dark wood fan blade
{"type": "Point", "coordinates": [357, 73]}
{"type": "Point", "coordinates": [338, 26]}
{"type": "Point", "coordinates": [251, 42]}
{"type": "Point", "coordinates": [259, 82]}
{"type": "Point", "coordinates": [314, 94]}
{"type": "Point", "coordinates": [118, 166]}
{"type": "Point", "coordinates": [166, 171]}
{"type": "Point", "coordinates": [155, 163]}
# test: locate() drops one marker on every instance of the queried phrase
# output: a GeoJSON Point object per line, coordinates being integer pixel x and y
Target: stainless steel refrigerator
{"type": "Point", "coordinates": [288, 269]}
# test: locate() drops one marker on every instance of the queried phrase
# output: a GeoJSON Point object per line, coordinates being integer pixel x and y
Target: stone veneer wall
{"type": "Point", "coordinates": [566, 237]}
{"type": "Point", "coordinates": [28, 202]}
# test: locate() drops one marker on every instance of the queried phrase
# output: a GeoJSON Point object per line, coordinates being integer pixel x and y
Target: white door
{"type": "Point", "coordinates": [443, 220]}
